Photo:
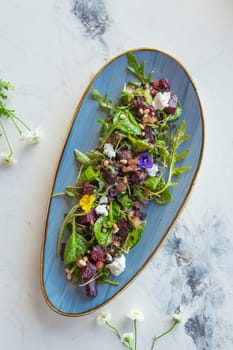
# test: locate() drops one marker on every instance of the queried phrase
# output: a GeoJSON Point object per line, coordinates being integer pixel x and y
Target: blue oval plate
{"type": "Point", "coordinates": [60, 294]}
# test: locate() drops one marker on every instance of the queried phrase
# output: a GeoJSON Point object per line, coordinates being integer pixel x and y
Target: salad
{"type": "Point", "coordinates": [134, 164]}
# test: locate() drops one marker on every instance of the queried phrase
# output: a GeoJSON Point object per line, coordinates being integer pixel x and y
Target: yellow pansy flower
{"type": "Point", "coordinates": [86, 201]}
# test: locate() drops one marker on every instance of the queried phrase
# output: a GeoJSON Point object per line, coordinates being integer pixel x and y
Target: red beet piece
{"type": "Point", "coordinates": [91, 289]}
{"type": "Point", "coordinates": [97, 253]}
{"type": "Point", "coordinates": [88, 272]}
{"type": "Point", "coordinates": [164, 84]}
{"type": "Point", "coordinates": [172, 104]}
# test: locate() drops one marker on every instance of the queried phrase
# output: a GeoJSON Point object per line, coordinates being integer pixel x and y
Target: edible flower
{"type": "Point", "coordinates": [145, 160]}
{"type": "Point", "coordinates": [31, 136]}
{"type": "Point", "coordinates": [136, 315]}
{"type": "Point", "coordinates": [103, 318]}
{"type": "Point", "coordinates": [86, 201]}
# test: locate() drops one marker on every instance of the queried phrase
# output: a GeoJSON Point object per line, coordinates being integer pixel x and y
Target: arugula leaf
{"type": "Point", "coordinates": [164, 197]}
{"type": "Point", "coordinates": [125, 201]}
{"type": "Point", "coordinates": [82, 157]}
{"type": "Point", "coordinates": [138, 69]}
{"type": "Point", "coordinates": [76, 246]}
{"type": "Point", "coordinates": [139, 145]}
{"type": "Point", "coordinates": [133, 236]}
{"type": "Point", "coordinates": [90, 174]}
{"type": "Point", "coordinates": [102, 235]}
{"type": "Point", "coordinates": [103, 101]}
{"type": "Point", "coordinates": [129, 125]}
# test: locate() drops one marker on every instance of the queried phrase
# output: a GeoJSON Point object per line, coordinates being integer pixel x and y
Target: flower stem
{"type": "Point", "coordinates": [21, 121]}
{"type": "Point", "coordinates": [114, 329]}
{"type": "Point", "coordinates": [16, 126]}
{"type": "Point", "coordinates": [163, 334]}
{"type": "Point", "coordinates": [135, 334]}
{"type": "Point", "coordinates": [7, 140]}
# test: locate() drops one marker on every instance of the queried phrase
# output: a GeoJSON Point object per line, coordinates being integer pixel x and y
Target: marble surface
{"type": "Point", "coordinates": [49, 50]}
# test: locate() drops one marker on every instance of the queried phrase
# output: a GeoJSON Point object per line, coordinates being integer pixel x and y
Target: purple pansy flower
{"type": "Point", "coordinates": [145, 160]}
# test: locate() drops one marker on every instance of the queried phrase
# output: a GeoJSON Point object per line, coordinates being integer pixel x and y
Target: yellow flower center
{"type": "Point", "coordinates": [86, 201]}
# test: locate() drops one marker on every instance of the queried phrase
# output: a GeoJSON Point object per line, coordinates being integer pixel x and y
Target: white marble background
{"type": "Point", "coordinates": [49, 49]}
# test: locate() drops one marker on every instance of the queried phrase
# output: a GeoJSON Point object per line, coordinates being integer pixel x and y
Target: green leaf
{"type": "Point", "coordinates": [129, 125]}
{"type": "Point", "coordinates": [82, 157]}
{"type": "Point", "coordinates": [152, 182]}
{"type": "Point", "coordinates": [177, 113]}
{"type": "Point", "coordinates": [139, 145]}
{"type": "Point", "coordinates": [133, 236]}
{"type": "Point", "coordinates": [138, 69]}
{"type": "Point", "coordinates": [125, 201]}
{"type": "Point", "coordinates": [102, 235]}
{"type": "Point", "coordinates": [90, 174]}
{"type": "Point", "coordinates": [103, 101]}
{"type": "Point", "coordinates": [139, 193]}
{"type": "Point", "coordinates": [179, 171]}
{"type": "Point", "coordinates": [164, 197]}
{"type": "Point", "coordinates": [76, 246]}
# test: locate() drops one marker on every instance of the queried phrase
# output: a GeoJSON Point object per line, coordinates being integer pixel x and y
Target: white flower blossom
{"type": "Point", "coordinates": [8, 159]}
{"type": "Point", "coordinates": [127, 338]}
{"type": "Point", "coordinates": [136, 315]}
{"type": "Point", "coordinates": [31, 136]}
{"type": "Point", "coordinates": [103, 318]}
{"type": "Point", "coordinates": [109, 150]}
{"type": "Point", "coordinates": [161, 100]}
{"type": "Point", "coordinates": [177, 318]}
{"type": "Point", "coordinates": [117, 266]}
{"type": "Point", "coordinates": [101, 210]}
{"type": "Point", "coordinates": [152, 171]}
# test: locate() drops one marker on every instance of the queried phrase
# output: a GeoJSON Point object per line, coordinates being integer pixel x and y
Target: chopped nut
{"type": "Point", "coordinates": [125, 180]}
{"type": "Point", "coordinates": [69, 276]}
{"type": "Point", "coordinates": [80, 262]}
{"type": "Point", "coordinates": [85, 258]}
{"type": "Point", "coordinates": [146, 111]}
{"type": "Point", "coordinates": [140, 110]}
{"type": "Point", "coordinates": [142, 126]}
{"type": "Point", "coordinates": [104, 230]}
{"type": "Point", "coordinates": [106, 162]}
{"type": "Point", "coordinates": [122, 116]}
{"type": "Point", "coordinates": [123, 161]}
{"type": "Point", "coordinates": [143, 133]}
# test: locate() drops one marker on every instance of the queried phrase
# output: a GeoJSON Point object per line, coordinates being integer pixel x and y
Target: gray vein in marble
{"type": "Point", "coordinates": [94, 17]}
{"type": "Point", "coordinates": [197, 265]}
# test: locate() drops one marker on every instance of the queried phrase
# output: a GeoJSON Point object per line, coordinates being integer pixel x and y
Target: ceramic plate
{"type": "Point", "coordinates": [61, 295]}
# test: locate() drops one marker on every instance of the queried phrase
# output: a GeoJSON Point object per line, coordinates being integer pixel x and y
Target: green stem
{"type": "Point", "coordinates": [135, 334]}
{"type": "Point", "coordinates": [21, 121]}
{"type": "Point", "coordinates": [163, 334]}
{"type": "Point", "coordinates": [16, 126]}
{"type": "Point", "coordinates": [57, 194]}
{"type": "Point", "coordinates": [114, 329]}
{"type": "Point", "coordinates": [65, 222]}
{"type": "Point", "coordinates": [7, 140]}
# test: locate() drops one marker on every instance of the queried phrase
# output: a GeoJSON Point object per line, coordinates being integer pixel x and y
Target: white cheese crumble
{"type": "Point", "coordinates": [101, 210]}
{"type": "Point", "coordinates": [161, 100]}
{"type": "Point", "coordinates": [153, 171]}
{"type": "Point", "coordinates": [109, 151]}
{"type": "Point", "coordinates": [117, 266]}
{"type": "Point", "coordinates": [103, 200]}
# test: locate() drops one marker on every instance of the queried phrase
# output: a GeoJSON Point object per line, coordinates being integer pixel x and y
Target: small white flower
{"type": "Point", "coordinates": [127, 338]}
{"type": "Point", "coordinates": [31, 136]}
{"type": "Point", "coordinates": [8, 159]}
{"type": "Point", "coordinates": [161, 100]}
{"type": "Point", "coordinates": [101, 210]}
{"type": "Point", "coordinates": [103, 318]}
{"type": "Point", "coordinates": [103, 200]}
{"type": "Point", "coordinates": [136, 315]}
{"type": "Point", "coordinates": [109, 150]}
{"type": "Point", "coordinates": [117, 266]}
{"type": "Point", "coordinates": [177, 318]}
{"type": "Point", "coordinates": [153, 171]}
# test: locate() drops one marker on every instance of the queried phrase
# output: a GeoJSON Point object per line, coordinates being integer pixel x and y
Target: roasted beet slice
{"type": "Point", "coordinates": [97, 253]}
{"type": "Point", "coordinates": [149, 134]}
{"type": "Point", "coordinates": [124, 229]}
{"type": "Point", "coordinates": [109, 176]}
{"type": "Point", "coordinates": [172, 104]}
{"type": "Point", "coordinates": [164, 85]}
{"type": "Point", "coordinates": [89, 271]}
{"type": "Point", "coordinates": [88, 188]}
{"type": "Point", "coordinates": [91, 289]}
{"type": "Point", "coordinates": [139, 176]}
{"type": "Point", "coordinates": [89, 218]}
